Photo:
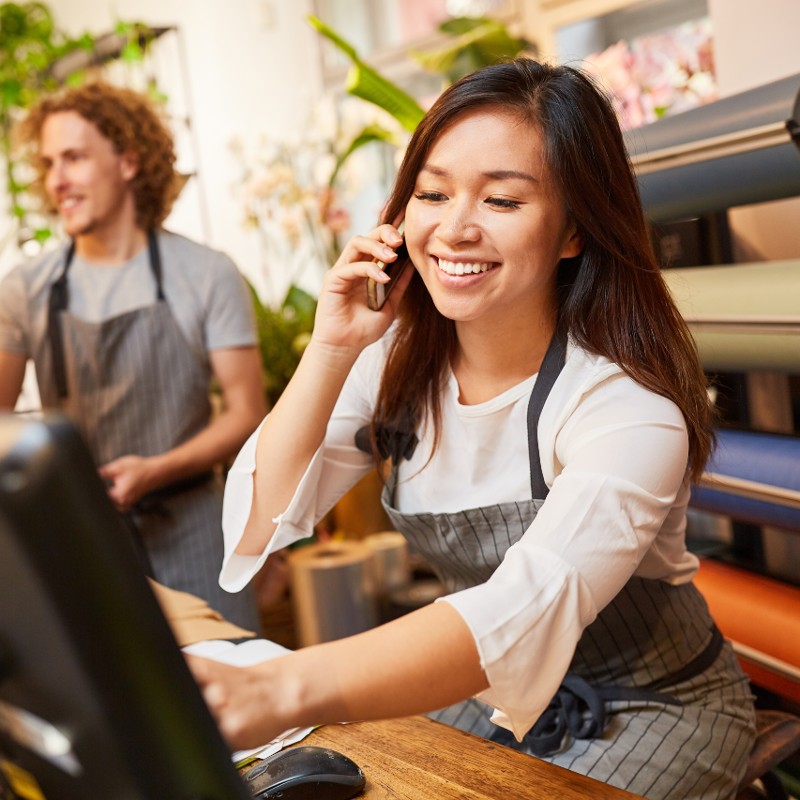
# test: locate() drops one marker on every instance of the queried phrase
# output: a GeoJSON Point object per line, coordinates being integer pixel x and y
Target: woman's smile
{"type": "Point", "coordinates": [464, 267]}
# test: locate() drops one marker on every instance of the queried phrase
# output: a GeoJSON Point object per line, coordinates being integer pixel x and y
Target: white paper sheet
{"type": "Point", "coordinates": [245, 654]}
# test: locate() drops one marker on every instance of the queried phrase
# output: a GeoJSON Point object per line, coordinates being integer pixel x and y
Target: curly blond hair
{"type": "Point", "coordinates": [130, 121]}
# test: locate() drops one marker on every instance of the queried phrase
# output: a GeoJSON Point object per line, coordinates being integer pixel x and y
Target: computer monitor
{"type": "Point", "coordinates": [96, 700]}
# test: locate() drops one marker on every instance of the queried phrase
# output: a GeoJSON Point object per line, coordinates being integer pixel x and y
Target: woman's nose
{"type": "Point", "coordinates": [458, 224]}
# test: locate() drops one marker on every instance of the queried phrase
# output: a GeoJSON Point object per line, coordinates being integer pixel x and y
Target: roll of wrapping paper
{"type": "Point", "coordinates": [743, 317]}
{"type": "Point", "coordinates": [333, 590]}
{"type": "Point", "coordinates": [739, 150]}
{"type": "Point", "coordinates": [391, 560]}
{"type": "Point", "coordinates": [753, 477]}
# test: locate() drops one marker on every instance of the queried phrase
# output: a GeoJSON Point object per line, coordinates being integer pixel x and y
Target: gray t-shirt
{"type": "Point", "coordinates": [205, 292]}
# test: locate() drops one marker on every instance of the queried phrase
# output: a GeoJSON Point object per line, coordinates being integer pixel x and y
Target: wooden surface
{"type": "Point", "coordinates": [419, 759]}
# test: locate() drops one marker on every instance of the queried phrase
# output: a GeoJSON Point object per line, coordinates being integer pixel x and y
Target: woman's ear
{"type": "Point", "coordinates": [573, 245]}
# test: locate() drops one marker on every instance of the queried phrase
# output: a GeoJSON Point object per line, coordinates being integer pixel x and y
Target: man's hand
{"type": "Point", "coordinates": [128, 479]}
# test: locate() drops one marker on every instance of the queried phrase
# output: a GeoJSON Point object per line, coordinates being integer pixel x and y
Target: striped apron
{"type": "Point", "coordinates": [132, 385]}
{"type": "Point", "coordinates": [654, 702]}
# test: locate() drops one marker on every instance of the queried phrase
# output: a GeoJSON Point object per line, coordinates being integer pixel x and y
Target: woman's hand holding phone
{"type": "Point", "coordinates": [377, 292]}
{"type": "Point", "coordinates": [343, 318]}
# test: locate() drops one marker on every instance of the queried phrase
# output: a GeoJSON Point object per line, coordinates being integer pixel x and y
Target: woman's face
{"type": "Point", "coordinates": [484, 226]}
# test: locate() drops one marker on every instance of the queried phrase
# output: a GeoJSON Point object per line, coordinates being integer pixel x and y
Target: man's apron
{"type": "Point", "coordinates": [133, 387]}
{"type": "Point", "coordinates": [654, 702]}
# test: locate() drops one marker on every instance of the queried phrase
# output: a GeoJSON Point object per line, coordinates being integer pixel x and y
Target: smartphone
{"type": "Point", "coordinates": [378, 292]}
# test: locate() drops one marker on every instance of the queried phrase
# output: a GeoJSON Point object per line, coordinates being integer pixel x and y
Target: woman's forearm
{"type": "Point", "coordinates": [290, 436]}
{"type": "Point", "coordinates": [421, 662]}
{"type": "Point", "coordinates": [343, 327]}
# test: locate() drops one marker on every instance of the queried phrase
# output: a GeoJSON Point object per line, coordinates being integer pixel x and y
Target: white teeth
{"type": "Point", "coordinates": [460, 268]}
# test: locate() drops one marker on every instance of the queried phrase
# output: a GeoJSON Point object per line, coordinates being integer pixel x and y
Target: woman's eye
{"type": "Point", "coordinates": [503, 202]}
{"type": "Point", "coordinates": [431, 197]}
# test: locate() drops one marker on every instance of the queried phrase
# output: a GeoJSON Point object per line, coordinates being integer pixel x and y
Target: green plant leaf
{"type": "Point", "coordinates": [132, 52]}
{"type": "Point", "coordinates": [371, 133]}
{"type": "Point", "coordinates": [282, 336]}
{"type": "Point", "coordinates": [303, 305]}
{"type": "Point", "coordinates": [364, 82]}
{"type": "Point", "coordinates": [10, 91]}
{"type": "Point", "coordinates": [479, 43]}
{"type": "Point", "coordinates": [330, 33]}
{"type": "Point", "coordinates": [77, 78]}
{"type": "Point", "coordinates": [42, 234]}
{"type": "Point", "coordinates": [458, 25]}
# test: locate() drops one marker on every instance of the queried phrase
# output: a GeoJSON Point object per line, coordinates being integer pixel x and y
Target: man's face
{"type": "Point", "coordinates": [86, 180]}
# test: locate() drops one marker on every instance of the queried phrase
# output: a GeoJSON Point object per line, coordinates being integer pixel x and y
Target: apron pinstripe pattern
{"type": "Point", "coordinates": [650, 630]}
{"type": "Point", "coordinates": [134, 386]}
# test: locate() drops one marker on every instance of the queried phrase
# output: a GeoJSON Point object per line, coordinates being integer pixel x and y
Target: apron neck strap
{"type": "Point", "coordinates": [552, 364]}
{"type": "Point", "coordinates": [155, 262]}
{"type": "Point", "coordinates": [59, 301]}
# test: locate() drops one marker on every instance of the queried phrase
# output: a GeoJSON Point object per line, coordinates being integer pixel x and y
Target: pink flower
{"type": "Point", "coordinates": [659, 74]}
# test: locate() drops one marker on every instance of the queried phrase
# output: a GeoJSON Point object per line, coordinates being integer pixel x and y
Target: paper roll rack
{"type": "Point", "coordinates": [736, 151]}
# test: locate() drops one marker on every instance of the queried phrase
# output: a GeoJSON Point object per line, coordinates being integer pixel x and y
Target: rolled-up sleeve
{"type": "Point", "coordinates": [332, 471]}
{"type": "Point", "coordinates": [621, 464]}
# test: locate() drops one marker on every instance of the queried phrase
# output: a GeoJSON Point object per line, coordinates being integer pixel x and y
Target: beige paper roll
{"type": "Point", "coordinates": [744, 317]}
{"type": "Point", "coordinates": [391, 560]}
{"type": "Point", "coordinates": [333, 590]}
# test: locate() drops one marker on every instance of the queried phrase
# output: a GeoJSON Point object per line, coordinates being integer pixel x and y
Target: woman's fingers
{"type": "Point", "coordinates": [343, 315]}
{"type": "Point", "coordinates": [234, 697]}
{"type": "Point", "coordinates": [378, 245]}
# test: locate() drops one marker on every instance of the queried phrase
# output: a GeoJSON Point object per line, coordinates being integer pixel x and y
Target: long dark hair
{"type": "Point", "coordinates": [613, 300]}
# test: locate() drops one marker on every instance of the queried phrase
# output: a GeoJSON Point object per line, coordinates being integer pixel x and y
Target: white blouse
{"type": "Point", "coordinates": [614, 455]}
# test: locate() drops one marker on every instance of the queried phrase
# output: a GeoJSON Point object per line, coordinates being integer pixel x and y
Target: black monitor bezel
{"type": "Point", "coordinates": [86, 646]}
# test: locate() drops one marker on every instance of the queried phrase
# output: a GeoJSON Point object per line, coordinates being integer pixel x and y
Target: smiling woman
{"type": "Point", "coordinates": [487, 230]}
{"type": "Point", "coordinates": [517, 383]}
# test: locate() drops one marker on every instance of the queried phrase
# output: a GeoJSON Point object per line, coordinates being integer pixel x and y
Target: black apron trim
{"type": "Point", "coordinates": [399, 442]}
{"type": "Point", "coordinates": [393, 442]}
{"type": "Point", "coordinates": [552, 364]}
{"type": "Point", "coordinates": [578, 708]}
{"type": "Point", "coordinates": [58, 301]}
{"type": "Point", "coordinates": [155, 263]}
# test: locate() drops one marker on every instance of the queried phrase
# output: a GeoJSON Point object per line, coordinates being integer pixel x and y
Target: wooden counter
{"type": "Point", "coordinates": [417, 758]}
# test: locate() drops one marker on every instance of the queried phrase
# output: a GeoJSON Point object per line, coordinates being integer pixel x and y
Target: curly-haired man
{"type": "Point", "coordinates": [128, 324]}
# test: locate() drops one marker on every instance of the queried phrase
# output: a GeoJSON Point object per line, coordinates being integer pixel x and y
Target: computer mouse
{"type": "Point", "coordinates": [305, 773]}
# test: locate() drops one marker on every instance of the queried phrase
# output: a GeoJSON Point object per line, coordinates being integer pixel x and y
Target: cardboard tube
{"type": "Point", "coordinates": [391, 560]}
{"type": "Point", "coordinates": [333, 590]}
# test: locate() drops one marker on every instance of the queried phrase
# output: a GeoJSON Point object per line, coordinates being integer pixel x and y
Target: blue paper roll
{"type": "Point", "coordinates": [753, 477]}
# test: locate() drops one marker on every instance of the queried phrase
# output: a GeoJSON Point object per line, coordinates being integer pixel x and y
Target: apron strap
{"type": "Point", "coordinates": [58, 301]}
{"type": "Point", "coordinates": [398, 443]}
{"type": "Point", "coordinates": [552, 364]}
{"type": "Point", "coordinates": [578, 708]}
{"type": "Point", "coordinates": [155, 262]}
